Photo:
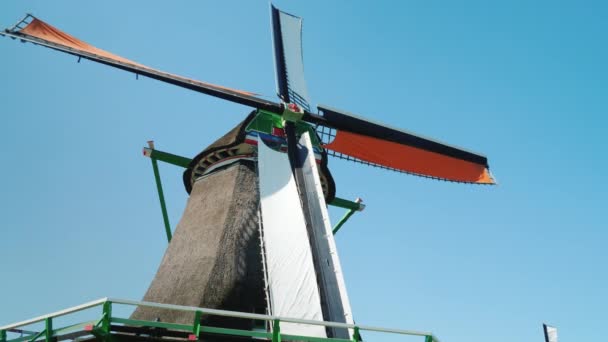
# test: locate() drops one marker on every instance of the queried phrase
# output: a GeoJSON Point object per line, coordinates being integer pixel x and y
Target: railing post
{"type": "Point", "coordinates": [428, 338]}
{"type": "Point", "coordinates": [276, 331]}
{"type": "Point", "coordinates": [357, 335]}
{"type": "Point", "coordinates": [2, 335]}
{"type": "Point", "coordinates": [196, 329]}
{"type": "Point", "coordinates": [48, 329]}
{"type": "Point", "coordinates": [107, 317]}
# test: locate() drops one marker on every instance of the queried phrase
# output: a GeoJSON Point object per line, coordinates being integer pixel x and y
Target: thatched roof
{"type": "Point", "coordinates": [214, 258]}
{"type": "Point", "coordinates": [235, 138]}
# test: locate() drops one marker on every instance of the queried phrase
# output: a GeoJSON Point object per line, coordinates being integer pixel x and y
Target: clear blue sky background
{"type": "Point", "coordinates": [523, 82]}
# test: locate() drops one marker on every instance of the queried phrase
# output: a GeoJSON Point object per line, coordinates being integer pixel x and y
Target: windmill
{"type": "Point", "coordinates": [287, 125]}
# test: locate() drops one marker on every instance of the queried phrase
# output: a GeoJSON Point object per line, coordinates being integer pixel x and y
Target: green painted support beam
{"type": "Point", "coordinates": [346, 204]}
{"type": "Point", "coordinates": [159, 187]}
{"type": "Point", "coordinates": [101, 336]}
{"type": "Point", "coordinates": [165, 156]}
{"type": "Point", "coordinates": [184, 162]}
{"type": "Point", "coordinates": [106, 320]}
{"type": "Point", "coordinates": [161, 198]}
{"type": "Point", "coordinates": [352, 209]}
{"type": "Point", "coordinates": [37, 336]}
{"type": "Point", "coordinates": [343, 221]}
{"type": "Point", "coordinates": [48, 329]}
{"type": "Point", "coordinates": [276, 331]}
{"type": "Point", "coordinates": [357, 335]}
{"type": "Point", "coordinates": [164, 325]}
{"type": "Point", "coordinates": [196, 329]}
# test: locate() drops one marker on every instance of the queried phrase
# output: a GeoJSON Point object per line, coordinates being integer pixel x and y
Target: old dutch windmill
{"type": "Point", "coordinates": [255, 236]}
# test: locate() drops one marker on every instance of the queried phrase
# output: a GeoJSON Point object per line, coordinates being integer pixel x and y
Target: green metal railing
{"type": "Point", "coordinates": [102, 328]}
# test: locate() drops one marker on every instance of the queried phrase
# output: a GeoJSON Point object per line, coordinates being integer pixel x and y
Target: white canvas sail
{"type": "Point", "coordinates": [289, 63]}
{"type": "Point", "coordinates": [332, 283]}
{"type": "Point", "coordinates": [291, 275]}
{"type": "Point", "coordinates": [550, 333]}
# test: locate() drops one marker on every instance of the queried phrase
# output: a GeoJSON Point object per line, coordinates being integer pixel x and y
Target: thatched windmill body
{"type": "Point", "coordinates": [255, 235]}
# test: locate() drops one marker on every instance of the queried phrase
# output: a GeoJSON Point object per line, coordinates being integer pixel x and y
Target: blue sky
{"type": "Point", "coordinates": [523, 82]}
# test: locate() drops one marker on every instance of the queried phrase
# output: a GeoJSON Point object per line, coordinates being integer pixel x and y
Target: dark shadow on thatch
{"type": "Point", "coordinates": [214, 258]}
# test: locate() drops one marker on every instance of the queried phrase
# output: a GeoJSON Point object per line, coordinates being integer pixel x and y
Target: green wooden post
{"type": "Point", "coordinates": [357, 335]}
{"type": "Point", "coordinates": [428, 338]}
{"type": "Point", "coordinates": [161, 196]}
{"type": "Point", "coordinates": [346, 204]}
{"type": "Point", "coordinates": [48, 329]}
{"type": "Point", "coordinates": [343, 220]}
{"type": "Point", "coordinates": [169, 158]}
{"type": "Point", "coordinates": [352, 207]}
{"type": "Point", "coordinates": [276, 331]}
{"type": "Point", "coordinates": [196, 329]}
{"type": "Point", "coordinates": [2, 335]}
{"type": "Point", "coordinates": [107, 317]}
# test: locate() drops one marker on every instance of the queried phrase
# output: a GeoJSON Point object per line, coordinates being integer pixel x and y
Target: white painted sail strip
{"type": "Point", "coordinates": [291, 275]}
{"type": "Point", "coordinates": [291, 31]}
{"type": "Point", "coordinates": [550, 333]}
{"type": "Point", "coordinates": [330, 271]}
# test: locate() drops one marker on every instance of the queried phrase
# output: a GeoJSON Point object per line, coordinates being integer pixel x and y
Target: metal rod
{"type": "Point", "coordinates": [48, 329]}
{"type": "Point", "coordinates": [343, 220]}
{"type": "Point", "coordinates": [106, 320]}
{"type": "Point", "coordinates": [166, 157]}
{"type": "Point", "coordinates": [196, 329]}
{"type": "Point", "coordinates": [346, 204]}
{"type": "Point", "coordinates": [276, 331]}
{"type": "Point", "coordinates": [56, 314]}
{"type": "Point", "coordinates": [356, 335]}
{"type": "Point", "coordinates": [215, 312]}
{"type": "Point", "coordinates": [20, 22]}
{"type": "Point", "coordinates": [352, 206]}
{"type": "Point", "coordinates": [21, 331]}
{"type": "Point", "coordinates": [266, 317]}
{"type": "Point", "coordinates": [161, 196]}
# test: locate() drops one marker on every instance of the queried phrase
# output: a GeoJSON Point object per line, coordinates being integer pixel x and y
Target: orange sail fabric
{"type": "Point", "coordinates": [409, 159]}
{"type": "Point", "coordinates": [41, 30]}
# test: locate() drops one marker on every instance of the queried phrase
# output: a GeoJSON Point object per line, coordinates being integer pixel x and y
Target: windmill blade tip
{"type": "Point", "coordinates": [493, 178]}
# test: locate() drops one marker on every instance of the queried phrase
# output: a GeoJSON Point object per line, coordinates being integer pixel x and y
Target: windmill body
{"type": "Point", "coordinates": [220, 231]}
{"type": "Point", "coordinates": [255, 235]}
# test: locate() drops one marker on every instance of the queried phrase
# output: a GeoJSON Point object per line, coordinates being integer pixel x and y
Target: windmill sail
{"type": "Point", "coordinates": [395, 149]}
{"type": "Point", "coordinates": [38, 32]}
{"type": "Point", "coordinates": [288, 58]}
{"type": "Point", "coordinates": [329, 270]}
{"type": "Point", "coordinates": [289, 264]}
{"type": "Point", "coordinates": [550, 333]}
{"type": "Point", "coordinates": [354, 138]}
